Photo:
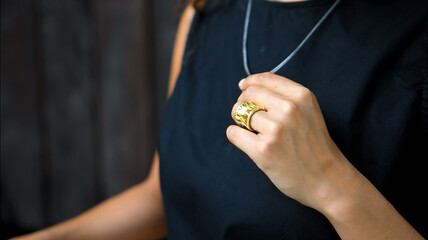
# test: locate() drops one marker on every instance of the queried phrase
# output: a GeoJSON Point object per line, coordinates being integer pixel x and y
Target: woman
{"type": "Point", "coordinates": [339, 129]}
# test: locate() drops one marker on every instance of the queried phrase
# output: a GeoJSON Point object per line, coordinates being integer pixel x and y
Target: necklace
{"type": "Point", "coordinates": [287, 59]}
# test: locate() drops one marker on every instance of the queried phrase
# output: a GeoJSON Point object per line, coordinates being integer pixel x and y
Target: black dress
{"type": "Point", "coordinates": [368, 67]}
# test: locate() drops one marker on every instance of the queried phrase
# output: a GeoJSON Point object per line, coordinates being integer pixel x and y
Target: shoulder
{"type": "Point", "coordinates": [179, 46]}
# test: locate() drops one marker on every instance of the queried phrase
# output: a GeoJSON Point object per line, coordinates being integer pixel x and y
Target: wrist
{"type": "Point", "coordinates": [356, 209]}
{"type": "Point", "coordinates": [338, 194]}
{"type": "Point", "coordinates": [339, 209]}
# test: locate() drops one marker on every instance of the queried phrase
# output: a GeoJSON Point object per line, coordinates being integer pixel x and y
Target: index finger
{"type": "Point", "coordinates": [271, 81]}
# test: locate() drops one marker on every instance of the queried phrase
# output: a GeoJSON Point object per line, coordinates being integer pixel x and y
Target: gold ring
{"type": "Point", "coordinates": [244, 112]}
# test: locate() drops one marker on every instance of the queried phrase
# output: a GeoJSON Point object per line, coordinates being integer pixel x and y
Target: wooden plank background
{"type": "Point", "coordinates": [83, 86]}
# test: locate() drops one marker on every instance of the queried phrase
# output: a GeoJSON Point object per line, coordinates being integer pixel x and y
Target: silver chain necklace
{"type": "Point", "coordinates": [287, 59]}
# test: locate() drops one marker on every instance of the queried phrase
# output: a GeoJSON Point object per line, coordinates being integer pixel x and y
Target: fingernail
{"type": "Point", "coordinates": [241, 83]}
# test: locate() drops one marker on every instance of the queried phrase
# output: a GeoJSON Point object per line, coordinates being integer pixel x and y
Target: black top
{"type": "Point", "coordinates": [368, 67]}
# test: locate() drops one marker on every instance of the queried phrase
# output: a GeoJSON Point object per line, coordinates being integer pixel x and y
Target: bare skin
{"type": "Point", "coordinates": [292, 136]}
{"type": "Point", "coordinates": [294, 149]}
{"type": "Point", "coordinates": [136, 213]}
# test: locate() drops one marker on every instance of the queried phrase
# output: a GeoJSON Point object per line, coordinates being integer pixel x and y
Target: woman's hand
{"type": "Point", "coordinates": [294, 149]}
{"type": "Point", "coordinates": [292, 146]}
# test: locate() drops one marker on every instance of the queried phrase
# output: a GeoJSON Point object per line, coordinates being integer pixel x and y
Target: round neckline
{"type": "Point", "coordinates": [299, 4]}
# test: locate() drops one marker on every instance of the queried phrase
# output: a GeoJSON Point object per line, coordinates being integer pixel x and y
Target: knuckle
{"type": "Point", "coordinates": [288, 107]}
{"type": "Point", "coordinates": [265, 148]}
{"type": "Point", "coordinates": [250, 79]}
{"type": "Point", "coordinates": [304, 95]}
{"type": "Point", "coordinates": [251, 90]}
{"type": "Point", "coordinates": [265, 75]}
{"type": "Point", "coordinates": [275, 127]}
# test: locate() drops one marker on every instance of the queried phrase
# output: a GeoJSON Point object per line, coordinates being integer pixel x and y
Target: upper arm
{"type": "Point", "coordinates": [179, 46]}
{"type": "Point", "coordinates": [177, 55]}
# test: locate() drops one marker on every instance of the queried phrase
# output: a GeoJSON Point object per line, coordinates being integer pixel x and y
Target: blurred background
{"type": "Point", "coordinates": [83, 92]}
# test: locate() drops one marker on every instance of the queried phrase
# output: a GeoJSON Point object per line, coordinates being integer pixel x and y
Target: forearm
{"type": "Point", "coordinates": [135, 214]}
{"type": "Point", "coordinates": [360, 211]}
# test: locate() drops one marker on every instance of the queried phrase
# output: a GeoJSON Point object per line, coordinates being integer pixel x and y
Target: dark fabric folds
{"type": "Point", "coordinates": [366, 65]}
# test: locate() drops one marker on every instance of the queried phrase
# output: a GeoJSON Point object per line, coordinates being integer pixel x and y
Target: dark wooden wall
{"type": "Point", "coordinates": [83, 87]}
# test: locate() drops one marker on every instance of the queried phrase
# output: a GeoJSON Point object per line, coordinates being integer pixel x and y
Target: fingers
{"type": "Point", "coordinates": [285, 101]}
{"type": "Point", "coordinates": [260, 120]}
{"type": "Point", "coordinates": [262, 97]}
{"type": "Point", "coordinates": [275, 105]}
{"type": "Point", "coordinates": [270, 81]}
{"type": "Point", "coordinates": [285, 88]}
{"type": "Point", "coordinates": [281, 85]}
{"type": "Point", "coordinates": [243, 139]}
